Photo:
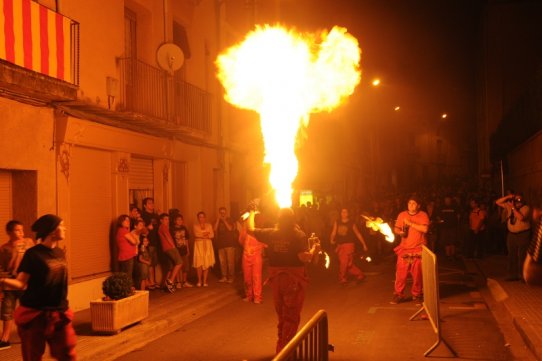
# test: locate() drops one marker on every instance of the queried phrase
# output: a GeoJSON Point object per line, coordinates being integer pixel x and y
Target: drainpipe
{"type": "Point", "coordinates": [166, 8]}
{"type": "Point", "coordinates": [219, 97]}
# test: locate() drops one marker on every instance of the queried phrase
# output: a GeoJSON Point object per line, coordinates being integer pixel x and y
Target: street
{"type": "Point", "coordinates": [362, 323]}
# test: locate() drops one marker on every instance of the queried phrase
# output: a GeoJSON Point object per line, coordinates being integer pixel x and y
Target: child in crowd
{"type": "Point", "coordinates": [170, 250]}
{"type": "Point", "coordinates": [181, 236]}
{"type": "Point", "coordinates": [144, 261]}
{"type": "Point", "coordinates": [11, 254]}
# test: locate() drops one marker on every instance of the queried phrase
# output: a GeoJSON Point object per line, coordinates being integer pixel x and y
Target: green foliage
{"type": "Point", "coordinates": [118, 285]}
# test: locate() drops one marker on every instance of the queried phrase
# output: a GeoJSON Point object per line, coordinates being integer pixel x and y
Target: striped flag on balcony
{"type": "Point", "coordinates": [35, 38]}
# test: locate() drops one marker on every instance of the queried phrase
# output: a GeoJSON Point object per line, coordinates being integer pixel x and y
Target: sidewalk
{"type": "Point", "coordinates": [167, 313]}
{"type": "Point", "coordinates": [522, 302]}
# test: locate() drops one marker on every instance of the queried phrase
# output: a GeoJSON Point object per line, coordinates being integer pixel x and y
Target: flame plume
{"type": "Point", "coordinates": [377, 224]}
{"type": "Point", "coordinates": [285, 76]}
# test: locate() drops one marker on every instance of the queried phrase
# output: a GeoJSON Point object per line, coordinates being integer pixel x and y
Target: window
{"type": "Point", "coordinates": [130, 39]}
{"type": "Point", "coordinates": [181, 39]}
{"type": "Point", "coordinates": [141, 182]}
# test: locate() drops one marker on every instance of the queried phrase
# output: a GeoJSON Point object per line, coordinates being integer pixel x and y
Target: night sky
{"type": "Point", "coordinates": [426, 53]}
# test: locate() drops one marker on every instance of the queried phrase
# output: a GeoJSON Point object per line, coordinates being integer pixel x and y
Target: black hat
{"type": "Point", "coordinates": [45, 225]}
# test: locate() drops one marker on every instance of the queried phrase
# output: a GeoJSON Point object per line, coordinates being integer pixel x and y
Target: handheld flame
{"type": "Point", "coordinates": [378, 225]}
{"type": "Point", "coordinates": [285, 76]}
{"type": "Point", "coordinates": [327, 260]}
{"type": "Point", "coordinates": [314, 240]}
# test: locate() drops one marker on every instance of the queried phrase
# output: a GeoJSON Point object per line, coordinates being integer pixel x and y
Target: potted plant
{"type": "Point", "coordinates": [121, 305]}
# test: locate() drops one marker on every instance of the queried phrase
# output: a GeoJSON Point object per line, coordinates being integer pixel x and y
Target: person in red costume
{"type": "Point", "coordinates": [288, 253]}
{"type": "Point", "coordinates": [344, 234]}
{"type": "Point", "coordinates": [252, 266]}
{"type": "Point", "coordinates": [412, 225]}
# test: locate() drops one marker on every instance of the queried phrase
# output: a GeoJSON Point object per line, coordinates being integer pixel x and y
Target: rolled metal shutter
{"type": "Point", "coordinates": [6, 206]}
{"type": "Point", "coordinates": [91, 211]}
{"type": "Point", "coordinates": [141, 173]}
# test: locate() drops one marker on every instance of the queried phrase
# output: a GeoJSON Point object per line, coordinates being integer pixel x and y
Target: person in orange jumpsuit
{"type": "Point", "coordinates": [252, 266]}
{"type": "Point", "coordinates": [411, 225]}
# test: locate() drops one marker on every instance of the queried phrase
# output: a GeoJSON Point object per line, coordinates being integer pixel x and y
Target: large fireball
{"type": "Point", "coordinates": [285, 76]}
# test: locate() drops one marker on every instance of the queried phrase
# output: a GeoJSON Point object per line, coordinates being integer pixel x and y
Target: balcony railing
{"type": "Point", "coordinates": [143, 88]}
{"type": "Point", "coordinates": [150, 91]}
{"type": "Point", "coordinates": [192, 106]}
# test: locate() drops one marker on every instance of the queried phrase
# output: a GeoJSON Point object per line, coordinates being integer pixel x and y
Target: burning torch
{"type": "Point", "coordinates": [313, 241]}
{"type": "Point", "coordinates": [252, 206]}
{"type": "Point", "coordinates": [378, 224]}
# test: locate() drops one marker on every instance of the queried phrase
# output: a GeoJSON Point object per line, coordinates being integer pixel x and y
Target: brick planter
{"type": "Point", "coordinates": [113, 316]}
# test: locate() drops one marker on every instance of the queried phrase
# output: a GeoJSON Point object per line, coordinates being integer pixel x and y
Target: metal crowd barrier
{"type": "Point", "coordinates": [431, 298]}
{"type": "Point", "coordinates": [310, 343]}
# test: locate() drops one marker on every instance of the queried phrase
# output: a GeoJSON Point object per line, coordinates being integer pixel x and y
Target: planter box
{"type": "Point", "coordinates": [113, 316]}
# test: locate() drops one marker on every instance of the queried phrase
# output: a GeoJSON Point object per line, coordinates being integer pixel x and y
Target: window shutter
{"type": "Point", "coordinates": [141, 174]}
{"type": "Point", "coordinates": [6, 207]}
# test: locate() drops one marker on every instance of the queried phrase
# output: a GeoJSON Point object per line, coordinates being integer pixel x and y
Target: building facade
{"type": "Point", "coordinates": [94, 121]}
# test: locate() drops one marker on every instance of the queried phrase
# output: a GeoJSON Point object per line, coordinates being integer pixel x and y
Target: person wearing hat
{"type": "Point", "coordinates": [288, 253]}
{"type": "Point", "coordinates": [412, 226]}
{"type": "Point", "coordinates": [43, 315]}
{"type": "Point", "coordinates": [519, 233]}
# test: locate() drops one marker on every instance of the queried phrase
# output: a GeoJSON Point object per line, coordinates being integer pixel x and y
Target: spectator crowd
{"type": "Point", "coordinates": [159, 251]}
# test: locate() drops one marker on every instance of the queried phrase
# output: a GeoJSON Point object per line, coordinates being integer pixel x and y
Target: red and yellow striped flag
{"type": "Point", "coordinates": [36, 38]}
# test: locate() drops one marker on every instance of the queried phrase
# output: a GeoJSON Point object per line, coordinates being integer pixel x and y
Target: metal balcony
{"type": "Point", "coordinates": [152, 92]}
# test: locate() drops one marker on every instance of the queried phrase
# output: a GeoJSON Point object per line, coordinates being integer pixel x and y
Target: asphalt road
{"type": "Point", "coordinates": [362, 324]}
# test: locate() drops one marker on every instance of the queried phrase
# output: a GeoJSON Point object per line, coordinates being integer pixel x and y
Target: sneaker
{"type": "Point", "coordinates": [257, 302]}
{"type": "Point", "coordinates": [179, 285]}
{"type": "Point", "coordinates": [188, 285]}
{"type": "Point", "coordinates": [4, 345]}
{"type": "Point", "coordinates": [170, 286]}
{"type": "Point", "coordinates": [198, 284]}
{"type": "Point", "coordinates": [205, 285]}
{"type": "Point", "coordinates": [396, 299]}
{"type": "Point", "coordinates": [223, 280]}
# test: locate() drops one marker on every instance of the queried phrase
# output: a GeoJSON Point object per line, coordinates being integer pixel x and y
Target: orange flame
{"type": "Point", "coordinates": [377, 224]}
{"type": "Point", "coordinates": [285, 76]}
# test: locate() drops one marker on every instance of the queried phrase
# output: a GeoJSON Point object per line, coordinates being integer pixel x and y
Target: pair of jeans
{"type": "Point", "coordinates": [226, 257]}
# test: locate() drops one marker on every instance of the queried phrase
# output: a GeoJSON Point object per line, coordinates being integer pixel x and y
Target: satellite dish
{"type": "Point", "coordinates": [170, 57]}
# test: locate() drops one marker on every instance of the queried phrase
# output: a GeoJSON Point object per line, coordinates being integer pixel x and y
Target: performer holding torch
{"type": "Point", "coordinates": [411, 225]}
{"type": "Point", "coordinates": [288, 253]}
{"type": "Point", "coordinates": [344, 234]}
